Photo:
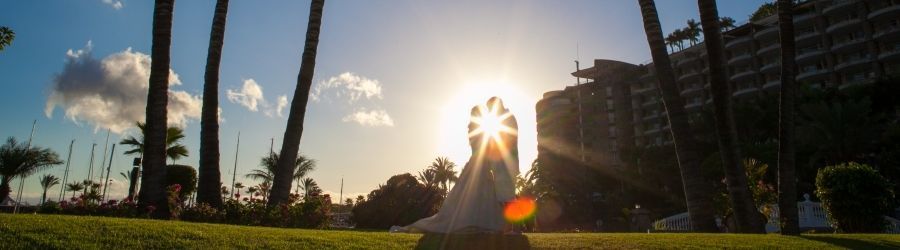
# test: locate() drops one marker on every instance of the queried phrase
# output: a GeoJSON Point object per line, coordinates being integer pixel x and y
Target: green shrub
{"type": "Point", "coordinates": [855, 196]}
{"type": "Point", "coordinates": [183, 175]}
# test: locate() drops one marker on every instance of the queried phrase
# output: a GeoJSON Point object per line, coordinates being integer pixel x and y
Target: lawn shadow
{"type": "Point", "coordinates": [853, 243]}
{"type": "Point", "coordinates": [473, 241]}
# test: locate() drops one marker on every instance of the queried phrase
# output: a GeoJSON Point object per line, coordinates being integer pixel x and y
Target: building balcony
{"type": "Point", "coordinates": [885, 13]}
{"type": "Point", "coordinates": [651, 131]}
{"type": "Point", "coordinates": [847, 45]}
{"type": "Point", "coordinates": [856, 82]}
{"type": "Point", "coordinates": [743, 58]}
{"type": "Point", "coordinates": [852, 64]}
{"type": "Point", "coordinates": [734, 43]}
{"type": "Point", "coordinates": [807, 37]}
{"type": "Point", "coordinates": [743, 75]}
{"type": "Point", "coordinates": [767, 33]}
{"type": "Point", "coordinates": [812, 75]}
{"type": "Point", "coordinates": [771, 67]}
{"type": "Point", "coordinates": [687, 61]}
{"type": "Point", "coordinates": [772, 48]}
{"type": "Point", "coordinates": [693, 105]}
{"type": "Point", "coordinates": [691, 90]}
{"type": "Point", "coordinates": [844, 25]}
{"type": "Point", "coordinates": [809, 55]}
{"type": "Point", "coordinates": [804, 19]}
{"type": "Point", "coordinates": [648, 76]}
{"type": "Point", "coordinates": [773, 84]}
{"type": "Point", "coordinates": [650, 103]}
{"type": "Point", "coordinates": [688, 76]}
{"type": "Point", "coordinates": [644, 90]}
{"type": "Point", "coordinates": [890, 32]}
{"type": "Point", "coordinates": [889, 55]}
{"type": "Point", "coordinates": [745, 91]}
{"type": "Point", "coordinates": [839, 6]}
{"type": "Point", "coordinates": [650, 117]}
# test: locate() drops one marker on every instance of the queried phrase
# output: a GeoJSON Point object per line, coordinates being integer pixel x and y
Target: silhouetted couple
{"type": "Point", "coordinates": [487, 182]}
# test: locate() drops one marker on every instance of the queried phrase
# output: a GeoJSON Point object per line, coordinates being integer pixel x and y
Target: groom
{"type": "Point", "coordinates": [505, 168]}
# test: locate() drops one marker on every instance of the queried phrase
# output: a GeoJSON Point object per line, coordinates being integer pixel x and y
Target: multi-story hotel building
{"type": "Point", "coordinates": [839, 43]}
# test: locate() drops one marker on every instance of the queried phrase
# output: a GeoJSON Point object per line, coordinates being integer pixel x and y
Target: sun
{"type": "Point", "coordinates": [491, 123]}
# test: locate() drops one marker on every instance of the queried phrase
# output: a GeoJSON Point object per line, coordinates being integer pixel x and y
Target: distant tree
{"type": "Point", "coordinates": [75, 187]}
{"type": "Point", "coordinates": [18, 160]}
{"type": "Point", "coordinates": [310, 187]}
{"type": "Point", "coordinates": [764, 10]}
{"type": "Point", "coordinates": [428, 177]}
{"type": "Point", "coordinates": [400, 201]}
{"type": "Point", "coordinates": [183, 175]}
{"type": "Point", "coordinates": [692, 31]}
{"type": "Point", "coordinates": [444, 172]}
{"type": "Point", "coordinates": [174, 149]}
{"type": "Point", "coordinates": [47, 181]}
{"type": "Point", "coordinates": [726, 23]}
{"type": "Point", "coordinates": [7, 35]}
{"type": "Point", "coordinates": [294, 130]}
{"type": "Point", "coordinates": [303, 166]}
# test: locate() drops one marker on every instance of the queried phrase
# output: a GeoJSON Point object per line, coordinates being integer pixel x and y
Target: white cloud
{"type": "Point", "coordinates": [248, 96]}
{"type": "Point", "coordinates": [251, 97]}
{"type": "Point", "coordinates": [348, 86]}
{"type": "Point", "coordinates": [117, 5]}
{"type": "Point", "coordinates": [370, 118]}
{"type": "Point", "coordinates": [112, 92]}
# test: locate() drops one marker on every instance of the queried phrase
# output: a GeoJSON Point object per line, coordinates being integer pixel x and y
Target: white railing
{"type": "Point", "coordinates": [811, 215]}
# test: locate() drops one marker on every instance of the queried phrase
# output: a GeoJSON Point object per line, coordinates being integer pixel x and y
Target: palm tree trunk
{"type": "Point", "coordinates": [44, 196]}
{"type": "Point", "coordinates": [696, 190]}
{"type": "Point", "coordinates": [747, 218]}
{"type": "Point", "coordinates": [208, 190]}
{"type": "Point", "coordinates": [281, 185]}
{"type": "Point", "coordinates": [5, 189]}
{"type": "Point", "coordinates": [153, 191]}
{"type": "Point", "coordinates": [787, 185]}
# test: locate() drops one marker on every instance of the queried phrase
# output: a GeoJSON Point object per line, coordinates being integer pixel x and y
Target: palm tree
{"type": "Point", "coordinates": [18, 160]}
{"type": "Point", "coordinates": [304, 166]}
{"type": "Point", "coordinates": [429, 178]}
{"type": "Point", "coordinates": [74, 187]}
{"type": "Point", "coordinates": [747, 217]}
{"type": "Point", "coordinates": [210, 177]}
{"type": "Point", "coordinates": [696, 190]}
{"type": "Point", "coordinates": [294, 129]}
{"type": "Point", "coordinates": [726, 23]}
{"type": "Point", "coordinates": [174, 149]}
{"type": "Point", "coordinates": [153, 184]}
{"type": "Point", "coordinates": [692, 31]}
{"type": "Point", "coordinates": [47, 181]}
{"type": "Point", "coordinates": [252, 191]}
{"type": "Point", "coordinates": [680, 36]}
{"type": "Point", "coordinates": [444, 172]}
{"type": "Point", "coordinates": [7, 35]}
{"type": "Point", "coordinates": [787, 183]}
{"type": "Point", "coordinates": [671, 41]}
{"type": "Point", "coordinates": [310, 187]}
{"type": "Point", "coordinates": [237, 187]}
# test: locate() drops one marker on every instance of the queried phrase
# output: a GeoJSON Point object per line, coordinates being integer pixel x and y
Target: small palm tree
{"type": "Point", "coordinates": [237, 187]}
{"type": "Point", "coordinates": [74, 187]}
{"type": "Point", "coordinates": [692, 31]}
{"type": "Point", "coordinates": [47, 181]}
{"type": "Point", "coordinates": [444, 172]}
{"type": "Point", "coordinates": [18, 160]}
{"type": "Point", "coordinates": [726, 23]}
{"type": "Point", "coordinates": [252, 191]}
{"type": "Point", "coordinates": [429, 178]}
{"type": "Point", "coordinates": [174, 149]}
{"type": "Point", "coordinates": [303, 166]}
{"type": "Point", "coordinates": [310, 187]}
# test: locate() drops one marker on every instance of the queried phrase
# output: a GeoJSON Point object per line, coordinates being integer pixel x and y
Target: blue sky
{"type": "Point", "coordinates": [408, 68]}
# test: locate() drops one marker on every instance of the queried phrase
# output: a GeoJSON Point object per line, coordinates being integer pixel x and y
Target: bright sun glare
{"type": "Point", "coordinates": [457, 111]}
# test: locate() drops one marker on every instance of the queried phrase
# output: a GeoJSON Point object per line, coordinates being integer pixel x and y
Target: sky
{"type": "Point", "coordinates": [393, 84]}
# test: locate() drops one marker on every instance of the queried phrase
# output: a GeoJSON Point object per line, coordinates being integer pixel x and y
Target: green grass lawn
{"type": "Point", "coordinates": [52, 231]}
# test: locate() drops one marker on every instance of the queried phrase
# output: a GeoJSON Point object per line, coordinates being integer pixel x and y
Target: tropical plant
{"type": "Point", "coordinates": [174, 149]}
{"type": "Point", "coordinates": [75, 187]}
{"type": "Point", "coordinates": [19, 160]}
{"type": "Point", "coordinates": [696, 190]}
{"type": "Point", "coordinates": [787, 180]}
{"type": "Point", "coordinates": [47, 181]}
{"type": "Point", "coordinates": [428, 177]}
{"type": "Point", "coordinates": [400, 201]}
{"type": "Point", "coordinates": [726, 23]}
{"type": "Point", "coordinates": [310, 187]}
{"type": "Point", "coordinates": [692, 31]}
{"type": "Point", "coordinates": [7, 35]}
{"type": "Point", "coordinates": [294, 129]}
{"type": "Point", "coordinates": [747, 217]}
{"type": "Point", "coordinates": [764, 10]}
{"type": "Point", "coordinates": [855, 196]}
{"type": "Point", "coordinates": [210, 176]}
{"type": "Point", "coordinates": [304, 166]}
{"type": "Point", "coordinates": [185, 177]}
{"type": "Point", "coordinates": [153, 183]}
{"type": "Point", "coordinates": [444, 172]}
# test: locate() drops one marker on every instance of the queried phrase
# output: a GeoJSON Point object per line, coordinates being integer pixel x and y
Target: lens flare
{"type": "Point", "coordinates": [520, 209]}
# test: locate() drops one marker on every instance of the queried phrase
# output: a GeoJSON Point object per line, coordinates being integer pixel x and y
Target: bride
{"type": "Point", "coordinates": [475, 204]}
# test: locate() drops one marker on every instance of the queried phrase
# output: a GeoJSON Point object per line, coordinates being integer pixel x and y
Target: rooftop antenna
{"type": "Point", "coordinates": [22, 178]}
